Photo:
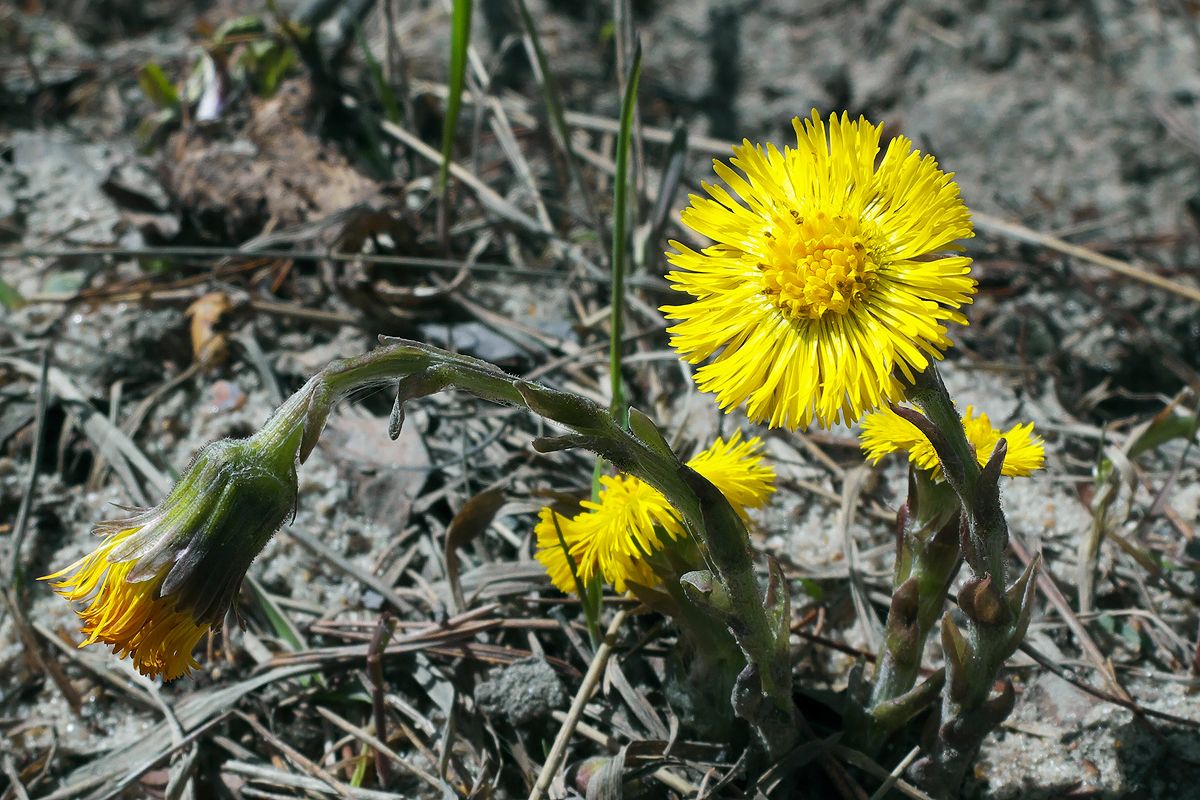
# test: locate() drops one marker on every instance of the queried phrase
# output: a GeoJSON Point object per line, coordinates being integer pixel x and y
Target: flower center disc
{"type": "Point", "coordinates": [816, 264]}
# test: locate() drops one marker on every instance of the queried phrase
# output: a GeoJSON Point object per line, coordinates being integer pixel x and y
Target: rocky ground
{"type": "Point", "coordinates": [250, 226]}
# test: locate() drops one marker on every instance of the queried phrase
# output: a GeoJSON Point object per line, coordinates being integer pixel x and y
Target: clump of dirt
{"type": "Point", "coordinates": [271, 174]}
{"type": "Point", "coordinates": [523, 692]}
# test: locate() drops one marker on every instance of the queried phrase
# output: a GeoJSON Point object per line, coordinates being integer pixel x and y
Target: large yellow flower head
{"type": "Point", "coordinates": [886, 432]}
{"type": "Point", "coordinates": [161, 578]}
{"type": "Point", "coordinates": [612, 536]}
{"type": "Point", "coordinates": [832, 270]}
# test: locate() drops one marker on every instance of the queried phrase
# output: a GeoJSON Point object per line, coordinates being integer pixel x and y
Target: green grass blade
{"type": "Point", "coordinates": [460, 39]}
{"type": "Point", "coordinates": [157, 86]}
{"type": "Point", "coordinates": [620, 235]}
{"type": "Point", "coordinates": [387, 97]}
{"type": "Point", "coordinates": [283, 626]}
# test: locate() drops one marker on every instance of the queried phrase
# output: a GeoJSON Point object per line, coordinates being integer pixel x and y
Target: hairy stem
{"type": "Point", "coordinates": [996, 617]}
{"type": "Point", "coordinates": [927, 559]}
{"type": "Point", "coordinates": [764, 696]}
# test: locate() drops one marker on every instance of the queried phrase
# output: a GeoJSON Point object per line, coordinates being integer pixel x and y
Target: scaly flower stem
{"type": "Point", "coordinates": [929, 392]}
{"type": "Point", "coordinates": [280, 436]}
{"type": "Point", "coordinates": [927, 559]}
{"type": "Point", "coordinates": [960, 465]}
{"type": "Point", "coordinates": [759, 624]}
{"type": "Point", "coordinates": [932, 554]}
{"type": "Point", "coordinates": [996, 617]}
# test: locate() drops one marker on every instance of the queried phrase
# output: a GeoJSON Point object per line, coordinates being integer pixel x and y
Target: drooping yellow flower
{"type": "Point", "coordinates": [163, 577]}
{"type": "Point", "coordinates": [887, 432]}
{"type": "Point", "coordinates": [829, 275]}
{"type": "Point", "coordinates": [614, 533]}
{"type": "Point", "coordinates": [130, 614]}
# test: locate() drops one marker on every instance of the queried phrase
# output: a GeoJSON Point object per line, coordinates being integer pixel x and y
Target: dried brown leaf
{"type": "Point", "coordinates": [210, 346]}
{"type": "Point", "coordinates": [471, 520]}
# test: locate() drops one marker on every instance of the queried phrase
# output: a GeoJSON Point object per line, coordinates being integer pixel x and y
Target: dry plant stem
{"type": "Point", "coordinates": [379, 641]}
{"type": "Point", "coordinates": [559, 749]}
{"type": "Point", "coordinates": [759, 623]}
{"type": "Point", "coordinates": [996, 617]}
{"type": "Point", "coordinates": [989, 224]}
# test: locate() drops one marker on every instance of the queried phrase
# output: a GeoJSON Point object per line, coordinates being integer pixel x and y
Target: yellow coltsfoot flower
{"type": "Point", "coordinates": [631, 519]}
{"type": "Point", "coordinates": [163, 577]}
{"type": "Point", "coordinates": [829, 274]}
{"type": "Point", "coordinates": [886, 432]}
{"type": "Point", "coordinates": [736, 468]}
{"type": "Point", "coordinates": [552, 551]}
{"type": "Point", "coordinates": [608, 538]}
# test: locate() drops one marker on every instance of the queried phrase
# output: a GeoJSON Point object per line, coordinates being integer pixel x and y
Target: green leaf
{"type": "Point", "coordinates": [360, 767]}
{"type": "Point", "coordinates": [280, 622]}
{"type": "Point", "coordinates": [1168, 427]}
{"type": "Point", "coordinates": [644, 428]}
{"type": "Point", "coordinates": [812, 588]}
{"type": "Point", "coordinates": [247, 25]}
{"type": "Point", "coordinates": [157, 87]}
{"type": "Point", "coordinates": [156, 266]}
{"type": "Point", "coordinates": [10, 298]}
{"type": "Point", "coordinates": [283, 626]}
{"type": "Point", "coordinates": [273, 63]}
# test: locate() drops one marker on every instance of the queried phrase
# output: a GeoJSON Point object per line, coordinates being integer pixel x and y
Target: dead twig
{"type": "Point", "coordinates": [35, 458]}
{"type": "Point", "coordinates": [392, 594]}
{"type": "Point", "coordinates": [851, 490]}
{"type": "Point", "coordinates": [559, 749]}
{"type": "Point", "coordinates": [1049, 589]}
{"type": "Point", "coordinates": [381, 748]}
{"type": "Point", "coordinates": [1130, 704]}
{"type": "Point", "coordinates": [34, 652]}
{"type": "Point", "coordinates": [487, 196]}
{"type": "Point", "coordinates": [301, 783]}
{"type": "Point", "coordinates": [1012, 230]}
{"type": "Point", "coordinates": [295, 756]}
{"type": "Point", "coordinates": [383, 632]}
